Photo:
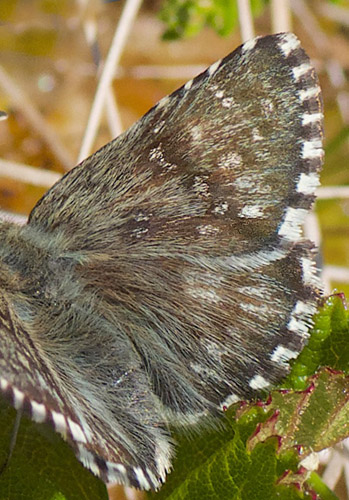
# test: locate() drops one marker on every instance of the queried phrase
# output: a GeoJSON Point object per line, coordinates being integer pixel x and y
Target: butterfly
{"type": "Point", "coordinates": [166, 276]}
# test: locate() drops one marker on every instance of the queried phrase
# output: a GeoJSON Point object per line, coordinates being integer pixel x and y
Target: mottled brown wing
{"type": "Point", "coordinates": [183, 240]}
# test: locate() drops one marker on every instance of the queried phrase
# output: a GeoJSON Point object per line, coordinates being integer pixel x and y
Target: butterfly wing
{"type": "Point", "coordinates": [200, 204]}
{"type": "Point", "coordinates": [183, 236]}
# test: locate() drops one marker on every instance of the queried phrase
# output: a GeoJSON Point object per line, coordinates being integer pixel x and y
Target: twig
{"type": "Point", "coordinates": [280, 15]}
{"type": "Point", "coordinates": [122, 31]}
{"type": "Point", "coordinates": [20, 101]}
{"type": "Point", "coordinates": [310, 24]}
{"type": "Point", "coordinates": [312, 229]}
{"type": "Point", "coordinates": [332, 192]}
{"type": "Point", "coordinates": [113, 115]}
{"type": "Point", "coordinates": [334, 12]}
{"type": "Point", "coordinates": [245, 20]}
{"type": "Point", "coordinates": [333, 471]}
{"type": "Point", "coordinates": [337, 273]}
{"type": "Point", "coordinates": [30, 175]}
{"type": "Point", "coordinates": [14, 218]}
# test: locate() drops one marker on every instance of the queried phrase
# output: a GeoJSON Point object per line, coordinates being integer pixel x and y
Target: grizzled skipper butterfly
{"type": "Point", "coordinates": [166, 275]}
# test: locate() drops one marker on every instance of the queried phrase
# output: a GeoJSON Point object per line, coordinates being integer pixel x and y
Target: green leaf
{"type": "Point", "coordinates": [258, 451]}
{"type": "Point", "coordinates": [186, 18]}
{"type": "Point", "coordinates": [323, 490]}
{"type": "Point", "coordinates": [317, 417]}
{"type": "Point", "coordinates": [42, 466]}
{"type": "Point", "coordinates": [328, 344]}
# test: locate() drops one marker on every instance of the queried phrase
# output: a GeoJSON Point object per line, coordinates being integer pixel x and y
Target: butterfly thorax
{"type": "Point", "coordinates": [31, 262]}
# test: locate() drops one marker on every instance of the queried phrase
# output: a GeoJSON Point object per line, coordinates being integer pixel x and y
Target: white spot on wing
{"type": "Point", "coordinates": [230, 400]}
{"type": "Point", "coordinates": [154, 480]}
{"type": "Point", "coordinates": [256, 134]}
{"type": "Point", "coordinates": [227, 102]}
{"type": "Point", "coordinates": [281, 355]}
{"type": "Point", "coordinates": [18, 398]}
{"type": "Point", "coordinates": [290, 229]}
{"type": "Point", "coordinates": [303, 309]}
{"type": "Point", "coordinates": [76, 431]}
{"type": "Point", "coordinates": [196, 133]}
{"type": "Point", "coordinates": [213, 68]}
{"type": "Point", "coordinates": [141, 217]}
{"type": "Point", "coordinates": [312, 118]}
{"type": "Point", "coordinates": [308, 183]}
{"type": "Point", "coordinates": [162, 457]}
{"type": "Point", "coordinates": [204, 294]}
{"type": "Point", "coordinates": [312, 149]}
{"type": "Point", "coordinates": [214, 349]}
{"type": "Point", "coordinates": [88, 459]}
{"type": "Point", "coordinates": [230, 160]}
{"type": "Point", "coordinates": [159, 126]}
{"type": "Point", "coordinates": [3, 384]}
{"type": "Point", "coordinates": [42, 381]}
{"type": "Point", "coordinates": [258, 382]}
{"type": "Point", "coordinates": [309, 93]}
{"type": "Point", "coordinates": [256, 310]}
{"type": "Point", "coordinates": [163, 102]}
{"type": "Point", "coordinates": [221, 209]}
{"type": "Point", "coordinates": [251, 212]}
{"type": "Point", "coordinates": [204, 371]}
{"type": "Point", "coordinates": [252, 261]}
{"type": "Point", "coordinates": [156, 155]}
{"type": "Point", "coordinates": [288, 43]}
{"type": "Point", "coordinates": [261, 292]}
{"type": "Point", "coordinates": [59, 422]}
{"type": "Point", "coordinates": [298, 326]}
{"type": "Point", "coordinates": [207, 229]}
{"type": "Point", "coordinates": [114, 471]}
{"type": "Point", "coordinates": [267, 106]}
{"type": "Point", "coordinates": [309, 272]}
{"type": "Point", "coordinates": [188, 85]}
{"type": "Point", "coordinates": [39, 412]}
{"type": "Point", "coordinates": [201, 187]}
{"type": "Point", "coordinates": [142, 480]}
{"type": "Point", "coordinates": [301, 70]}
{"type": "Point", "coordinates": [140, 231]}
{"type": "Point", "coordinates": [24, 361]}
{"type": "Point", "coordinates": [245, 183]}
{"type": "Point", "coordinates": [85, 426]}
{"type": "Point", "coordinates": [249, 45]}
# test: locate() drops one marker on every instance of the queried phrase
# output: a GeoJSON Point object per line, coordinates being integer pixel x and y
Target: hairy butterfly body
{"type": "Point", "coordinates": [166, 275]}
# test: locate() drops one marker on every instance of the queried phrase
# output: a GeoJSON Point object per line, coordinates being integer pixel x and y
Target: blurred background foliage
{"type": "Point", "coordinates": [187, 18]}
{"type": "Point", "coordinates": [45, 56]}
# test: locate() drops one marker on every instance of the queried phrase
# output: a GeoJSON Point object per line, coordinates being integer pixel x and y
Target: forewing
{"type": "Point", "coordinates": [197, 205]}
{"type": "Point", "coordinates": [227, 154]}
{"type": "Point", "coordinates": [188, 227]}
